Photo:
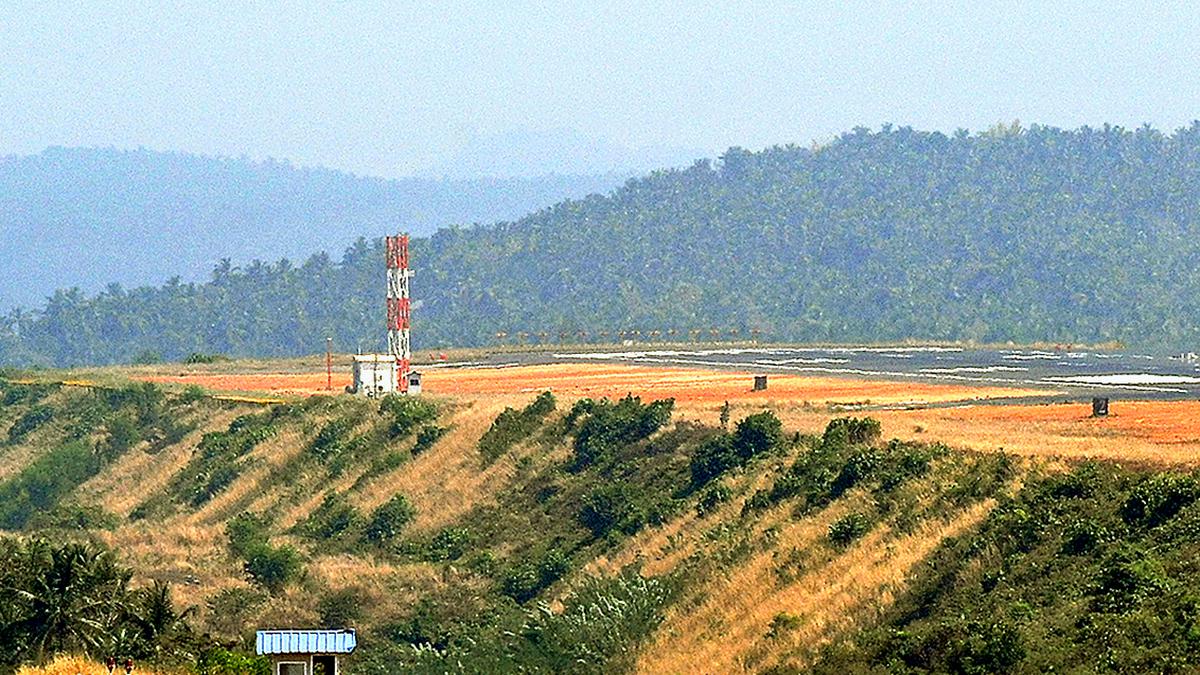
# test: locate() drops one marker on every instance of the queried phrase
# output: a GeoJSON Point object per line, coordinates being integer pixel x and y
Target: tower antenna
{"type": "Point", "coordinates": [399, 307]}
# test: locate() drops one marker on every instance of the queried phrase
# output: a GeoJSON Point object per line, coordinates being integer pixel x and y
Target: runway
{"type": "Point", "coordinates": [1081, 374]}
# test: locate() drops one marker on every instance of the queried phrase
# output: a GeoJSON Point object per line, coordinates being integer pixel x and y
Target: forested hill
{"type": "Point", "coordinates": [86, 217]}
{"type": "Point", "coordinates": [1012, 234]}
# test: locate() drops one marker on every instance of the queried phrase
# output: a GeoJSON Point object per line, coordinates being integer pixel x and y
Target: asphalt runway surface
{"type": "Point", "coordinates": [1079, 374]}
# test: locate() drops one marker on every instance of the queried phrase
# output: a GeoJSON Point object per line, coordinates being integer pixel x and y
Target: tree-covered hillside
{"type": "Point", "coordinates": [89, 216]}
{"type": "Point", "coordinates": [1011, 234]}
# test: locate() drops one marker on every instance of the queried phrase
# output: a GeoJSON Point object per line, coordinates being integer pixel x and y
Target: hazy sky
{"type": "Point", "coordinates": [395, 89]}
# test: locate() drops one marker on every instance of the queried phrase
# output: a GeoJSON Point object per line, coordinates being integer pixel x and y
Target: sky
{"type": "Point", "coordinates": [506, 88]}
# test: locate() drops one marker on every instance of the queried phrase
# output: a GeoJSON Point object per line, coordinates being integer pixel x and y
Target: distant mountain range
{"type": "Point", "coordinates": [88, 217]}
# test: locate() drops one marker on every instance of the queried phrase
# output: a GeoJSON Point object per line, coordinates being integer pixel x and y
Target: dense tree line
{"type": "Point", "coordinates": [1011, 234]}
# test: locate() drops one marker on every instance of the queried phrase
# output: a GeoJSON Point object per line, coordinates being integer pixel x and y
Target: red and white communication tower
{"type": "Point", "coordinates": [399, 308]}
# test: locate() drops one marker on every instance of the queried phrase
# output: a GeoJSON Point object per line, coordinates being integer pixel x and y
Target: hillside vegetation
{"type": "Point", "coordinates": [544, 535]}
{"type": "Point", "coordinates": [89, 217]}
{"type": "Point", "coordinates": [1028, 235]}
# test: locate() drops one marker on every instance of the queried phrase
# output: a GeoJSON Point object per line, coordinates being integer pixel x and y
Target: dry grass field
{"type": "Point", "coordinates": [78, 665]}
{"type": "Point", "coordinates": [575, 380]}
{"type": "Point", "coordinates": [1141, 432]}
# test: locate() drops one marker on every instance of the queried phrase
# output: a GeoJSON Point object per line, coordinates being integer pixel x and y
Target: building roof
{"type": "Point", "coordinates": [305, 642]}
{"type": "Point", "coordinates": [374, 358]}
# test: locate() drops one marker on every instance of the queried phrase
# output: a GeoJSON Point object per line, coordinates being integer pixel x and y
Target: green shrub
{"type": "Point", "coordinates": [613, 506]}
{"type": "Point", "coordinates": [427, 435]}
{"type": "Point", "coordinates": [245, 532]}
{"type": "Point", "coordinates": [606, 425]}
{"type": "Point", "coordinates": [123, 434]}
{"type": "Point", "coordinates": [331, 441]}
{"type": "Point", "coordinates": [905, 461]}
{"type": "Point", "coordinates": [40, 486]}
{"type": "Point", "coordinates": [524, 582]}
{"type": "Point", "coordinates": [1068, 573]}
{"type": "Point", "coordinates": [512, 426]}
{"type": "Point", "coordinates": [858, 467]}
{"type": "Point", "coordinates": [33, 418]}
{"type": "Point", "coordinates": [783, 623]}
{"type": "Point", "coordinates": [711, 459]}
{"type": "Point", "coordinates": [406, 413]}
{"type": "Point", "coordinates": [753, 436]}
{"type": "Point", "coordinates": [1080, 483]}
{"type": "Point", "coordinates": [215, 465]}
{"type": "Point", "coordinates": [983, 648]}
{"type": "Point", "coordinates": [223, 661]}
{"type": "Point", "coordinates": [1158, 498]}
{"type": "Point", "coordinates": [449, 544]}
{"type": "Point", "coordinates": [985, 477]}
{"type": "Point", "coordinates": [146, 398]}
{"type": "Point", "coordinates": [852, 431]}
{"type": "Point", "coordinates": [757, 434]}
{"type": "Point", "coordinates": [848, 528]}
{"type": "Point", "coordinates": [389, 520]}
{"type": "Point", "coordinates": [761, 499]}
{"type": "Point", "coordinates": [333, 517]}
{"type": "Point", "coordinates": [1083, 537]}
{"type": "Point", "coordinates": [273, 567]}
{"type": "Point", "coordinates": [1127, 577]}
{"type": "Point", "coordinates": [73, 517]}
{"type": "Point", "coordinates": [712, 498]}
{"type": "Point", "coordinates": [579, 411]}
{"type": "Point", "coordinates": [214, 482]}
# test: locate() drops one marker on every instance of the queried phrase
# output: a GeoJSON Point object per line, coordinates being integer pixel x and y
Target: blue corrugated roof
{"type": "Point", "coordinates": [305, 642]}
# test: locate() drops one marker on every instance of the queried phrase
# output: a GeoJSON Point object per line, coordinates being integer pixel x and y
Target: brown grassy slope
{"type": "Point", "coordinates": [748, 619]}
{"type": "Point", "coordinates": [15, 457]}
{"type": "Point", "coordinates": [726, 619]}
{"type": "Point", "coordinates": [188, 547]}
{"type": "Point", "coordinates": [793, 590]}
{"type": "Point", "coordinates": [449, 479]}
{"type": "Point", "coordinates": [126, 483]}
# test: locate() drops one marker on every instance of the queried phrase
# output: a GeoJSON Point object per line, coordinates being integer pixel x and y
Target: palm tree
{"type": "Point", "coordinates": [74, 590]}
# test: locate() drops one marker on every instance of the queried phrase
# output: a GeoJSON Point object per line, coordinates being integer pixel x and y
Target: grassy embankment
{"type": "Point", "coordinates": [654, 541]}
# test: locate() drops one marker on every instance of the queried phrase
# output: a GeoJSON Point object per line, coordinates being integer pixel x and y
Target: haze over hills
{"type": "Point", "coordinates": [1037, 234]}
{"type": "Point", "coordinates": [530, 153]}
{"type": "Point", "coordinates": [90, 216]}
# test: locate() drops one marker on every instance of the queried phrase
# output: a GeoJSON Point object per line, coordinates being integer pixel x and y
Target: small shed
{"type": "Point", "coordinates": [414, 382]}
{"type": "Point", "coordinates": [374, 374]}
{"type": "Point", "coordinates": [305, 652]}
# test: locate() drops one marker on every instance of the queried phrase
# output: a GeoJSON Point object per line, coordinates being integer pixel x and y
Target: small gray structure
{"type": "Point", "coordinates": [414, 383]}
{"type": "Point", "coordinates": [760, 383]}
{"type": "Point", "coordinates": [1100, 406]}
{"type": "Point", "coordinates": [305, 652]}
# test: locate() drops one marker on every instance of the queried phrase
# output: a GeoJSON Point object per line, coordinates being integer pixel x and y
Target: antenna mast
{"type": "Point", "coordinates": [399, 307]}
